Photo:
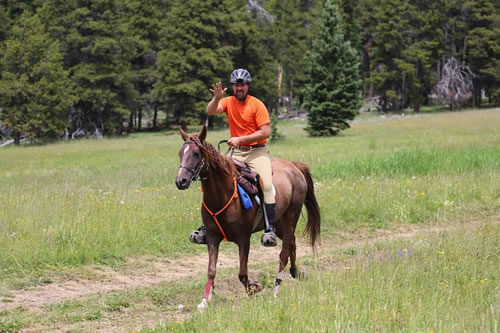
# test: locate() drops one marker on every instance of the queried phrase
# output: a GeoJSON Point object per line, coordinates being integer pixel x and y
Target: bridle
{"type": "Point", "coordinates": [194, 172]}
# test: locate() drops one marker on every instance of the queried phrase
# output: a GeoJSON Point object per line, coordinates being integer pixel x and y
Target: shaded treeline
{"type": "Point", "coordinates": [85, 68]}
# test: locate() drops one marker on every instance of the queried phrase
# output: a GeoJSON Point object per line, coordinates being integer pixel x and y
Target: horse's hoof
{"type": "Point", "coordinates": [254, 287]}
{"type": "Point", "coordinates": [296, 274]}
{"type": "Point", "coordinates": [202, 307]}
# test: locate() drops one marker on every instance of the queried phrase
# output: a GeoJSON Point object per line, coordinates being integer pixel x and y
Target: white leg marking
{"type": "Point", "coordinates": [276, 291]}
{"type": "Point", "coordinates": [280, 277]}
{"type": "Point", "coordinates": [203, 305]}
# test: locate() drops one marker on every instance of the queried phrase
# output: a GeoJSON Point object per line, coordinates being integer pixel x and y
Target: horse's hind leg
{"type": "Point", "coordinates": [293, 257]}
{"type": "Point", "coordinates": [284, 254]}
{"type": "Point", "coordinates": [288, 250]}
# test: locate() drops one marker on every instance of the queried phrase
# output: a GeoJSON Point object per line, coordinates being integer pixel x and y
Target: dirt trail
{"type": "Point", "coordinates": [148, 272]}
{"type": "Point", "coordinates": [153, 271]}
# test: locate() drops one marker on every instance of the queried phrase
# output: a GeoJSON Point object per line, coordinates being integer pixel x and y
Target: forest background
{"type": "Point", "coordinates": [78, 68]}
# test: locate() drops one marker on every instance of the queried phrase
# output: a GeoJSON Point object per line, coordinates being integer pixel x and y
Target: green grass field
{"type": "Point", "coordinates": [67, 205]}
{"type": "Point", "coordinates": [446, 282]}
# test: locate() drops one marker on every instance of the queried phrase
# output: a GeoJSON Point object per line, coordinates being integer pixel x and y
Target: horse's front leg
{"type": "Point", "coordinates": [213, 253]}
{"type": "Point", "coordinates": [251, 287]}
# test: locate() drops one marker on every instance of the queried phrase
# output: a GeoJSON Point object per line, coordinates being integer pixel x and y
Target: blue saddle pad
{"type": "Point", "coordinates": [245, 199]}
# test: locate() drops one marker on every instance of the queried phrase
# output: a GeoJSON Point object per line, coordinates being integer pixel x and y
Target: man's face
{"type": "Point", "coordinates": [240, 91]}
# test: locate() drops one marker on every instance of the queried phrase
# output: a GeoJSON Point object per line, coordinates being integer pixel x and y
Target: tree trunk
{"type": "Point", "coordinates": [476, 95]}
{"type": "Point", "coordinates": [183, 125]}
{"type": "Point", "coordinates": [17, 138]}
{"type": "Point", "coordinates": [155, 117]}
{"type": "Point", "coordinates": [131, 122]}
{"type": "Point", "coordinates": [416, 107]}
{"type": "Point", "coordinates": [384, 104]}
{"type": "Point", "coordinates": [139, 119]}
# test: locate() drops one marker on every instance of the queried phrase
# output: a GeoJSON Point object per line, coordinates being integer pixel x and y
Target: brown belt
{"type": "Point", "coordinates": [247, 148]}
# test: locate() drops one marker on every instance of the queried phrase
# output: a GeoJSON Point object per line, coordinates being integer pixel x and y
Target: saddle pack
{"type": "Point", "coordinates": [247, 178]}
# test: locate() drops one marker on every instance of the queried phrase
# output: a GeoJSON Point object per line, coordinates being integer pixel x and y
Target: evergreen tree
{"type": "Point", "coordinates": [4, 23]}
{"type": "Point", "coordinates": [35, 92]}
{"type": "Point", "coordinates": [390, 37]}
{"type": "Point", "coordinates": [144, 19]}
{"type": "Point", "coordinates": [4, 30]}
{"type": "Point", "coordinates": [350, 12]}
{"type": "Point", "coordinates": [194, 54]}
{"type": "Point", "coordinates": [420, 55]}
{"type": "Point", "coordinates": [483, 47]}
{"type": "Point", "coordinates": [291, 39]}
{"type": "Point", "coordinates": [276, 135]}
{"type": "Point", "coordinates": [252, 39]}
{"type": "Point", "coordinates": [333, 95]}
{"type": "Point", "coordinates": [98, 49]}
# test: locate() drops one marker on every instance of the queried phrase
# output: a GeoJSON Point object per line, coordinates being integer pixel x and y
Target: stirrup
{"type": "Point", "coordinates": [269, 238]}
{"type": "Point", "coordinates": [199, 236]}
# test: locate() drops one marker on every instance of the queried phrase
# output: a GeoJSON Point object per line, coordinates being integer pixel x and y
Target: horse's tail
{"type": "Point", "coordinates": [313, 212]}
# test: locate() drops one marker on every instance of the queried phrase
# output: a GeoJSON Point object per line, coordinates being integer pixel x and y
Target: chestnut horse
{"type": "Point", "coordinates": [225, 218]}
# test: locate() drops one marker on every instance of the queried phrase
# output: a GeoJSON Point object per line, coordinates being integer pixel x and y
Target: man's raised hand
{"type": "Point", "coordinates": [217, 90]}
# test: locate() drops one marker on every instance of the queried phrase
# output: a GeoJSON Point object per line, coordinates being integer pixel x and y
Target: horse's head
{"type": "Point", "coordinates": [191, 157]}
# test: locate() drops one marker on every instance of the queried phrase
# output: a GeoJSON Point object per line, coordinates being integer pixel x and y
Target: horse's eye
{"type": "Point", "coordinates": [196, 154]}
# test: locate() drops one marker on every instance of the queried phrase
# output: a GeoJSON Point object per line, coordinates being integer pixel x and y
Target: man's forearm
{"type": "Point", "coordinates": [212, 106]}
{"type": "Point", "coordinates": [257, 136]}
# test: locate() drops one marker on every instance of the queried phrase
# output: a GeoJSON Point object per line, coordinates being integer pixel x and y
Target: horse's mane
{"type": "Point", "coordinates": [214, 158]}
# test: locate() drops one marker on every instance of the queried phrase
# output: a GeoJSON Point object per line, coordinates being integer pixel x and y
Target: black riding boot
{"type": "Point", "coordinates": [269, 238]}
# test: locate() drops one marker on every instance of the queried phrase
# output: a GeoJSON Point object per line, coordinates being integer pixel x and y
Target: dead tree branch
{"type": "Point", "coordinates": [455, 85]}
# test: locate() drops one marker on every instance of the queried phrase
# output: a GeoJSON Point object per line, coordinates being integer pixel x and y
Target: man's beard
{"type": "Point", "coordinates": [241, 96]}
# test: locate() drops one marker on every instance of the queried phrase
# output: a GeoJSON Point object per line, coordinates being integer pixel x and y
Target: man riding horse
{"type": "Point", "coordinates": [249, 125]}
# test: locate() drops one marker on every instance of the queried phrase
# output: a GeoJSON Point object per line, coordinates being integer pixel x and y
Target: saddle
{"type": "Point", "coordinates": [248, 179]}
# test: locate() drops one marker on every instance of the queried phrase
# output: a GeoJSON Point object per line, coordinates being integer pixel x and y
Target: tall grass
{"type": "Point", "coordinates": [415, 163]}
{"type": "Point", "coordinates": [67, 204]}
{"type": "Point", "coordinates": [446, 282]}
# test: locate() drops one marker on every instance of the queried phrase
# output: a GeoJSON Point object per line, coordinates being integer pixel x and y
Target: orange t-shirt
{"type": "Point", "coordinates": [247, 118]}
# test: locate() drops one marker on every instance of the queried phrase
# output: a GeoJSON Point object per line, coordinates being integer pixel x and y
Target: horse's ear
{"type": "Point", "coordinates": [184, 135]}
{"type": "Point", "coordinates": [203, 133]}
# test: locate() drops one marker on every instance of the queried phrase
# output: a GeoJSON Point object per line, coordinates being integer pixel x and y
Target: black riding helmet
{"type": "Point", "coordinates": [240, 75]}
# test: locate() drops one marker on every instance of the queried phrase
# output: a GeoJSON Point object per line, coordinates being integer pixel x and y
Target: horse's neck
{"type": "Point", "coordinates": [217, 188]}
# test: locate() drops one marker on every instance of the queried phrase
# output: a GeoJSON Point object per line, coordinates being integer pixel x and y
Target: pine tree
{"type": "Point", "coordinates": [143, 20]}
{"type": "Point", "coordinates": [419, 57]}
{"type": "Point", "coordinates": [4, 29]}
{"type": "Point", "coordinates": [390, 37]}
{"type": "Point", "coordinates": [333, 95]}
{"type": "Point", "coordinates": [97, 48]}
{"type": "Point", "coordinates": [252, 39]}
{"type": "Point", "coordinates": [4, 23]}
{"type": "Point", "coordinates": [350, 13]}
{"type": "Point", "coordinates": [194, 54]}
{"type": "Point", "coordinates": [291, 39]}
{"type": "Point", "coordinates": [483, 47]}
{"type": "Point", "coordinates": [35, 91]}
{"type": "Point", "coordinates": [276, 135]}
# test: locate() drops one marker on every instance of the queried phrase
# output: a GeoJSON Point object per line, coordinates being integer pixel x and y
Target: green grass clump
{"type": "Point", "coordinates": [446, 282]}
